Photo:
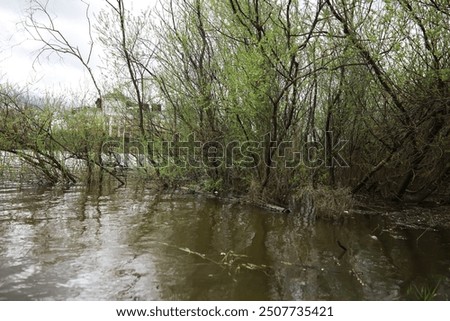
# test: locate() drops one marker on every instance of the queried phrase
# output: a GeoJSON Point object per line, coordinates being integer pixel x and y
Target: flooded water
{"type": "Point", "coordinates": [134, 244]}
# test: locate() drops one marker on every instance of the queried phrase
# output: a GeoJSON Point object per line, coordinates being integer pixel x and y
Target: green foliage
{"type": "Point", "coordinates": [426, 292]}
{"type": "Point", "coordinates": [373, 74]}
{"type": "Point", "coordinates": [81, 131]}
{"type": "Point", "coordinates": [212, 185]}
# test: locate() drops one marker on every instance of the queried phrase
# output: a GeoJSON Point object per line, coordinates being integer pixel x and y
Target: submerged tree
{"type": "Point", "coordinates": [270, 89]}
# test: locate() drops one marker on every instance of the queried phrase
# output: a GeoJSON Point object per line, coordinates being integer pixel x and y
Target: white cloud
{"type": "Point", "coordinates": [17, 51]}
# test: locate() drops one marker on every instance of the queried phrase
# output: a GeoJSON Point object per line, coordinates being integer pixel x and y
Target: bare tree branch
{"type": "Point", "coordinates": [44, 30]}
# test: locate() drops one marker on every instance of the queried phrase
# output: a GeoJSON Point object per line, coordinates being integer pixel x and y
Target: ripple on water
{"type": "Point", "coordinates": [134, 244]}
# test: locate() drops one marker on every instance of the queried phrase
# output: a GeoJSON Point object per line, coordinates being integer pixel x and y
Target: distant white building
{"type": "Point", "coordinates": [118, 111]}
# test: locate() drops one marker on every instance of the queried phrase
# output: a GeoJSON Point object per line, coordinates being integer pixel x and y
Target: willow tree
{"type": "Point", "coordinates": [26, 132]}
{"type": "Point", "coordinates": [271, 59]}
{"type": "Point", "coordinates": [402, 46]}
{"type": "Point", "coordinates": [128, 53]}
{"type": "Point", "coordinates": [187, 79]}
{"type": "Point", "coordinates": [241, 72]}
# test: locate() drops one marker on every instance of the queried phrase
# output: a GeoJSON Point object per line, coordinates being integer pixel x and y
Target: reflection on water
{"type": "Point", "coordinates": [133, 244]}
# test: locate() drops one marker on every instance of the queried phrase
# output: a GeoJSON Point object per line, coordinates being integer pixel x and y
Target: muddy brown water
{"type": "Point", "coordinates": [135, 244]}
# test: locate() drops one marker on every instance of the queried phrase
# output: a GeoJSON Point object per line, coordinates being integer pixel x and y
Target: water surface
{"type": "Point", "coordinates": [135, 244]}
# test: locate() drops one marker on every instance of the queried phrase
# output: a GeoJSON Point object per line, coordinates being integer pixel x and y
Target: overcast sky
{"type": "Point", "coordinates": [17, 51]}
